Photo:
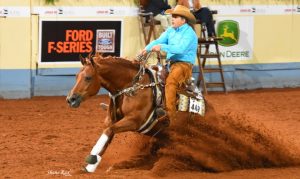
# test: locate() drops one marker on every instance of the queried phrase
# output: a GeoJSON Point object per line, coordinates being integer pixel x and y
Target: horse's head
{"type": "Point", "coordinates": [87, 83]}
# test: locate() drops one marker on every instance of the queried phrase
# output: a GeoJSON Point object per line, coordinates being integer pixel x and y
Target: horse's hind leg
{"type": "Point", "coordinates": [98, 150]}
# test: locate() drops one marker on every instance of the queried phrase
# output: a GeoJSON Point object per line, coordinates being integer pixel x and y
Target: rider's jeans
{"type": "Point", "coordinates": [180, 72]}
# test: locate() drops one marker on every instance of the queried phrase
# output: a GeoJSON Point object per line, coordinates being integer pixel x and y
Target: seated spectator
{"type": "Point", "coordinates": [203, 14]}
{"type": "Point", "coordinates": [158, 7]}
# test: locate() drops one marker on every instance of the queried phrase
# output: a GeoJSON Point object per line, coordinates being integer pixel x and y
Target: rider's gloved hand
{"type": "Point", "coordinates": [144, 52]}
{"type": "Point", "coordinates": [156, 48]}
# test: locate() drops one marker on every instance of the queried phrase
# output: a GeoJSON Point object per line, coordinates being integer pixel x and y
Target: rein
{"type": "Point", "coordinates": [142, 59]}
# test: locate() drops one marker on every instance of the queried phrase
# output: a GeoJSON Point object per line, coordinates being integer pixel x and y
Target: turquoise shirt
{"type": "Point", "coordinates": [180, 43]}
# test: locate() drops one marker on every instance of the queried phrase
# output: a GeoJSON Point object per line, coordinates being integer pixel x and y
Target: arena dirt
{"type": "Point", "coordinates": [250, 134]}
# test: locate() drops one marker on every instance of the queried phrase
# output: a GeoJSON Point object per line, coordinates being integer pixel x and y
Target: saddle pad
{"type": "Point", "coordinates": [190, 104]}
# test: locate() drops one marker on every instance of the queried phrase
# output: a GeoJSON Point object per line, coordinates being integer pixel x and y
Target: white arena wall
{"type": "Point", "coordinates": [266, 54]}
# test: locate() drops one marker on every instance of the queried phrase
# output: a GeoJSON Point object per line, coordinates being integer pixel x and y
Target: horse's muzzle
{"type": "Point", "coordinates": [74, 100]}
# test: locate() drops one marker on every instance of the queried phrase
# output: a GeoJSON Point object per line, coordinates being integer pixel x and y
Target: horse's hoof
{"type": "Point", "coordinates": [91, 159]}
{"type": "Point", "coordinates": [91, 168]}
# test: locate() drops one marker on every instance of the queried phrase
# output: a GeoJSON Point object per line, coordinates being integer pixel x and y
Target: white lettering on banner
{"type": "Point", "coordinates": [105, 35]}
{"type": "Point", "coordinates": [75, 11]}
{"type": "Point", "coordinates": [88, 11]}
{"type": "Point", "coordinates": [271, 9]}
{"type": "Point", "coordinates": [12, 11]}
{"type": "Point", "coordinates": [103, 47]}
{"type": "Point", "coordinates": [229, 54]}
{"type": "Point", "coordinates": [243, 33]}
{"type": "Point", "coordinates": [105, 41]}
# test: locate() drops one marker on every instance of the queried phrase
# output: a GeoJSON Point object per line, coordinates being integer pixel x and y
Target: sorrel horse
{"type": "Point", "coordinates": [130, 106]}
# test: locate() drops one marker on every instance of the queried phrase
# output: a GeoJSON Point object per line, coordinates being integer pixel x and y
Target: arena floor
{"type": "Point", "coordinates": [252, 134]}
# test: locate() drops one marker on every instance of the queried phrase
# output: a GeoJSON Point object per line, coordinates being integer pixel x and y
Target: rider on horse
{"type": "Point", "coordinates": [180, 44]}
{"type": "Point", "coordinates": [130, 91]}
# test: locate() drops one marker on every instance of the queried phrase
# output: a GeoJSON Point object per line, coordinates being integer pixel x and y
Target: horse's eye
{"type": "Point", "coordinates": [88, 78]}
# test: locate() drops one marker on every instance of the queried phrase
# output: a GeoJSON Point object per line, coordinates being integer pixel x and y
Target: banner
{"type": "Point", "coordinates": [64, 41]}
{"type": "Point", "coordinates": [238, 37]}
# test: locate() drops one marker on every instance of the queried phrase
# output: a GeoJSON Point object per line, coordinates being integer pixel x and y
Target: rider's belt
{"type": "Point", "coordinates": [177, 61]}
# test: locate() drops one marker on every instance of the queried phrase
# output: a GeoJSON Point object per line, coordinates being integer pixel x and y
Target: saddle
{"type": "Point", "coordinates": [189, 96]}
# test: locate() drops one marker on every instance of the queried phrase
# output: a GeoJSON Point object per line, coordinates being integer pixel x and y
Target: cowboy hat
{"type": "Point", "coordinates": [182, 11]}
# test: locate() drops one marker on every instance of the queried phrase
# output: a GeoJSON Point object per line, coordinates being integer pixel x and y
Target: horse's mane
{"type": "Point", "coordinates": [116, 60]}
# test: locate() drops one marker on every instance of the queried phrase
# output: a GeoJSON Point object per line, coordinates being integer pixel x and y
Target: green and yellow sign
{"type": "Point", "coordinates": [229, 30]}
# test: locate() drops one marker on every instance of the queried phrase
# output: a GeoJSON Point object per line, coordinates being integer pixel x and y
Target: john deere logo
{"type": "Point", "coordinates": [229, 31]}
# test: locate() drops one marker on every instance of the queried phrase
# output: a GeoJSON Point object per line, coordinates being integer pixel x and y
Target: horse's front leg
{"type": "Point", "coordinates": [125, 124]}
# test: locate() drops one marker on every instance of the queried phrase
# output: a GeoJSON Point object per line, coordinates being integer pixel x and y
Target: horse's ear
{"type": "Point", "coordinates": [90, 55]}
{"type": "Point", "coordinates": [82, 60]}
{"type": "Point", "coordinates": [92, 61]}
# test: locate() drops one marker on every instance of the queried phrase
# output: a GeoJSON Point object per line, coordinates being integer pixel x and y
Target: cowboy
{"type": "Point", "coordinates": [180, 44]}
